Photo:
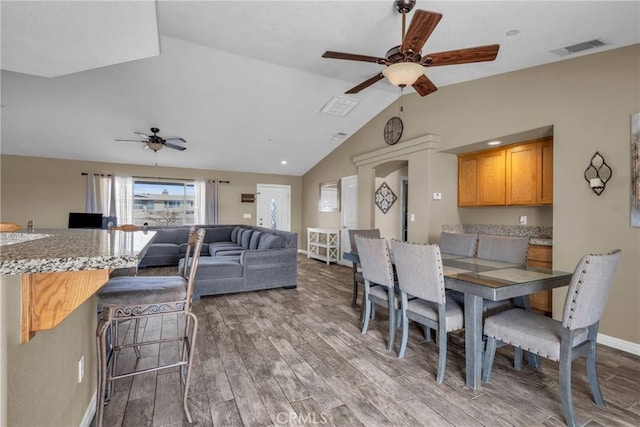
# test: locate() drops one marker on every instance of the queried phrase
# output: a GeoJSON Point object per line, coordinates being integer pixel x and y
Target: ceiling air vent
{"type": "Point", "coordinates": [579, 47]}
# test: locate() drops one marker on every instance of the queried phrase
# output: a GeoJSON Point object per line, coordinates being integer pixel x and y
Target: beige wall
{"type": "Point", "coordinates": [588, 101]}
{"type": "Point", "coordinates": [41, 375]}
{"type": "Point", "coordinates": [46, 190]}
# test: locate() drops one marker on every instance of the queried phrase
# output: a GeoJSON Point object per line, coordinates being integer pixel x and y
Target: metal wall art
{"type": "Point", "coordinates": [384, 198]}
{"type": "Point", "coordinates": [598, 173]}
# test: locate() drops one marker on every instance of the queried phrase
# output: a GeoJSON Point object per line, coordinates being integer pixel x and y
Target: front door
{"type": "Point", "coordinates": [274, 206]}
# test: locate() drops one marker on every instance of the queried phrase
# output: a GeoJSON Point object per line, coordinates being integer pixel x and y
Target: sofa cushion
{"type": "Point", "coordinates": [170, 235]}
{"type": "Point", "coordinates": [163, 249]}
{"type": "Point", "coordinates": [218, 267]}
{"type": "Point", "coordinates": [234, 234]}
{"type": "Point", "coordinates": [246, 238]}
{"type": "Point", "coordinates": [218, 234]}
{"type": "Point", "coordinates": [255, 239]}
{"type": "Point", "coordinates": [271, 241]}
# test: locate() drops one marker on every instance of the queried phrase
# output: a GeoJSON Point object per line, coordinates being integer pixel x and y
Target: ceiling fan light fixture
{"type": "Point", "coordinates": [155, 146]}
{"type": "Point", "coordinates": [403, 73]}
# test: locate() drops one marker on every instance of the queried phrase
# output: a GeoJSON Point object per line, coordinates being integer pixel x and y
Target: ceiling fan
{"type": "Point", "coordinates": [405, 64]}
{"type": "Point", "coordinates": [155, 143]}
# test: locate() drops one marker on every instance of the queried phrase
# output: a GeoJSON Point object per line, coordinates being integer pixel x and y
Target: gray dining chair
{"type": "Point", "coordinates": [503, 248]}
{"type": "Point", "coordinates": [357, 273]}
{"type": "Point", "coordinates": [379, 283]}
{"type": "Point", "coordinates": [145, 297]}
{"type": "Point", "coordinates": [561, 341]}
{"type": "Point", "coordinates": [423, 297]}
{"type": "Point", "coordinates": [463, 244]}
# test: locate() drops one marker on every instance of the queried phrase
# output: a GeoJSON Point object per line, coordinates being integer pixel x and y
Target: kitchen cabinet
{"type": "Point", "coordinates": [518, 174]}
{"type": "Point", "coordinates": [541, 256]}
{"type": "Point", "coordinates": [481, 178]}
{"type": "Point", "coordinates": [529, 173]}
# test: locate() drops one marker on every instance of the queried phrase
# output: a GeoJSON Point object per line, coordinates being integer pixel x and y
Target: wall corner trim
{"type": "Point", "coordinates": [421, 143]}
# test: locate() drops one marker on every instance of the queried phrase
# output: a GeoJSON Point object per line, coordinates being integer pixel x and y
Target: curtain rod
{"type": "Point", "coordinates": [158, 177]}
{"type": "Point", "coordinates": [178, 179]}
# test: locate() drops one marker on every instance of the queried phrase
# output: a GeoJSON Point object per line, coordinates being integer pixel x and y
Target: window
{"type": "Point", "coordinates": [163, 202]}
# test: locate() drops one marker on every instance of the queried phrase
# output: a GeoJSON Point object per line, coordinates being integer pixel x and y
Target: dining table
{"type": "Point", "coordinates": [480, 279]}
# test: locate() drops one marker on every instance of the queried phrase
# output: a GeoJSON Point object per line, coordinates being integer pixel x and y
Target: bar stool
{"type": "Point", "coordinates": [145, 297]}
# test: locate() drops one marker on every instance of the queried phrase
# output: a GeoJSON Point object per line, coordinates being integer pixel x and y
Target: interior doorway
{"type": "Point", "coordinates": [349, 204]}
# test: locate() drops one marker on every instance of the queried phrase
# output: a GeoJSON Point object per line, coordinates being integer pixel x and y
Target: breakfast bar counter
{"type": "Point", "coordinates": [62, 268]}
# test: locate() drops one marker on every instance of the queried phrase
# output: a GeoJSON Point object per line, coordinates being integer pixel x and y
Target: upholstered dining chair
{"type": "Point", "coordinates": [463, 244]}
{"type": "Point", "coordinates": [379, 283]}
{"type": "Point", "coordinates": [357, 274]}
{"type": "Point", "coordinates": [503, 248]}
{"type": "Point", "coordinates": [423, 297]}
{"type": "Point", "coordinates": [146, 297]}
{"type": "Point", "coordinates": [561, 341]}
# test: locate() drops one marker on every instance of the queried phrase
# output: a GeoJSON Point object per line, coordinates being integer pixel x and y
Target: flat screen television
{"type": "Point", "coordinates": [85, 220]}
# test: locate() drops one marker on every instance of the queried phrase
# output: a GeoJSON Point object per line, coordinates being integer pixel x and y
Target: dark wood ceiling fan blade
{"type": "Point", "coordinates": [462, 56]}
{"type": "Point", "coordinates": [175, 140]}
{"type": "Point", "coordinates": [422, 25]}
{"type": "Point", "coordinates": [174, 146]}
{"type": "Point", "coordinates": [353, 57]}
{"type": "Point", "coordinates": [365, 84]}
{"type": "Point", "coordinates": [424, 86]}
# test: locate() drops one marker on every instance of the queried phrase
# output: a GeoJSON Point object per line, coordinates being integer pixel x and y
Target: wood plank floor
{"type": "Point", "coordinates": [297, 357]}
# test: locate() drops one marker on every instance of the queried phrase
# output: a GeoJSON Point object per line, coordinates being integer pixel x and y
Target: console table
{"type": "Point", "coordinates": [323, 244]}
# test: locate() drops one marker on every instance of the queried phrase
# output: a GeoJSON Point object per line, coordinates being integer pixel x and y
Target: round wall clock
{"type": "Point", "coordinates": [393, 130]}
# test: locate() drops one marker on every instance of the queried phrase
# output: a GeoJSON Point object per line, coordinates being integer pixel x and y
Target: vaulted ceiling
{"type": "Point", "coordinates": [244, 81]}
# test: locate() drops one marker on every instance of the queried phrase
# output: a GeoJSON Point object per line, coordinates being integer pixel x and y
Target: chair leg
{"type": "Point", "coordinates": [367, 313]}
{"type": "Point", "coordinates": [565, 382]}
{"type": "Point", "coordinates": [442, 352]}
{"type": "Point", "coordinates": [427, 333]}
{"type": "Point", "coordinates": [392, 319]}
{"type": "Point", "coordinates": [517, 359]}
{"type": "Point", "coordinates": [592, 375]}
{"type": "Point", "coordinates": [101, 348]}
{"type": "Point", "coordinates": [405, 335]}
{"type": "Point", "coordinates": [489, 355]}
{"type": "Point", "coordinates": [189, 345]}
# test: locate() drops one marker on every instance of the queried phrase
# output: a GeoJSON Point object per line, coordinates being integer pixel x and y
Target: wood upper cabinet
{"type": "Point", "coordinates": [545, 172]}
{"type": "Point", "coordinates": [519, 174]}
{"type": "Point", "coordinates": [481, 178]}
{"type": "Point", "coordinates": [492, 177]}
{"type": "Point", "coordinates": [529, 173]}
{"type": "Point", "coordinates": [468, 190]}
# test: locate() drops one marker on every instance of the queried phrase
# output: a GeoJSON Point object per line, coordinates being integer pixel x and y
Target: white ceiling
{"type": "Point", "coordinates": [241, 81]}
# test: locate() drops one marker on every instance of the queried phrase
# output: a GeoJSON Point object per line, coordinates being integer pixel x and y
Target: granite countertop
{"type": "Point", "coordinates": [538, 235]}
{"type": "Point", "coordinates": [55, 250]}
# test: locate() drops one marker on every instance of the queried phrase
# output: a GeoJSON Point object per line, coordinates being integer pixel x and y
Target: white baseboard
{"type": "Point", "coordinates": [628, 346]}
{"type": "Point", "coordinates": [90, 412]}
{"type": "Point", "coordinates": [302, 251]}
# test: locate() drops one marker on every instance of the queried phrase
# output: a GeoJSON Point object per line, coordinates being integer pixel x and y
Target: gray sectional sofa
{"type": "Point", "coordinates": [234, 258]}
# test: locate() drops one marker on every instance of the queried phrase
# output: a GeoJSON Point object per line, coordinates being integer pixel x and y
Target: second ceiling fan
{"type": "Point", "coordinates": [405, 64]}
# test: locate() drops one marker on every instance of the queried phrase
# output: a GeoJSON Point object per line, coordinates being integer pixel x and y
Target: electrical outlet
{"type": "Point", "coordinates": [437, 196]}
{"type": "Point", "coordinates": [523, 219]}
{"type": "Point", "coordinates": [412, 217]}
{"type": "Point", "coordinates": [81, 369]}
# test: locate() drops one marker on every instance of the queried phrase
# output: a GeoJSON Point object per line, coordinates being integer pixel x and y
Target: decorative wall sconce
{"type": "Point", "coordinates": [598, 173]}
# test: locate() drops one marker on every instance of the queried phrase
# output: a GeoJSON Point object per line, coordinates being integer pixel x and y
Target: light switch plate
{"type": "Point", "coordinates": [247, 215]}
